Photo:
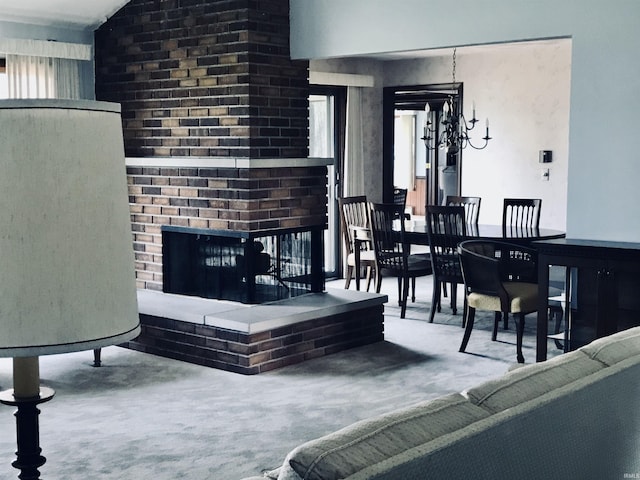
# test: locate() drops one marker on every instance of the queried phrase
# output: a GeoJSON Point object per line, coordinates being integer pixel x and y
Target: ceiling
{"type": "Point", "coordinates": [484, 48]}
{"type": "Point", "coordinates": [79, 14]}
{"type": "Point", "coordinates": [82, 14]}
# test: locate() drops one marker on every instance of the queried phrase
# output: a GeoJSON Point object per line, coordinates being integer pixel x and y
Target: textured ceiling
{"type": "Point", "coordinates": [71, 13]}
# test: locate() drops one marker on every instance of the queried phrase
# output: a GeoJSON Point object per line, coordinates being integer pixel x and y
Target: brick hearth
{"type": "Point", "coordinates": [251, 339]}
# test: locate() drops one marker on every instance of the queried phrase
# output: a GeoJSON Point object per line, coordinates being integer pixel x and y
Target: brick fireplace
{"type": "Point", "coordinates": [215, 122]}
{"type": "Point", "coordinates": [204, 197]}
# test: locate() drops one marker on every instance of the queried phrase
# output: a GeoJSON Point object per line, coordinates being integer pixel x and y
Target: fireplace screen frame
{"type": "Point", "coordinates": [247, 267]}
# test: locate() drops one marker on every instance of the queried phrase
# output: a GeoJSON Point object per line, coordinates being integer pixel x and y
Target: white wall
{"type": "Point", "coordinates": [603, 167]}
{"type": "Point", "coordinates": [524, 91]}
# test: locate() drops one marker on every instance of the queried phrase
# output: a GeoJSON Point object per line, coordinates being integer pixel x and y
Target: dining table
{"type": "Point", "coordinates": [415, 233]}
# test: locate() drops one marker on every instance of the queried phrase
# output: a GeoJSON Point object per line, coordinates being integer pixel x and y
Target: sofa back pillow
{"type": "Point", "coordinates": [531, 381]}
{"type": "Point", "coordinates": [614, 348]}
{"type": "Point", "coordinates": [370, 441]}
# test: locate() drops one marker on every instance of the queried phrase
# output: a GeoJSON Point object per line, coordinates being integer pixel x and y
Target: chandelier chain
{"type": "Point", "coordinates": [453, 71]}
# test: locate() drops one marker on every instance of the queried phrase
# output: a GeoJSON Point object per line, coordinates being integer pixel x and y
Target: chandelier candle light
{"type": "Point", "coordinates": [454, 127]}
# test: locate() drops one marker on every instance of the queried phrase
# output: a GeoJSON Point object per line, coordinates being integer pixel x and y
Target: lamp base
{"type": "Point", "coordinates": [28, 454]}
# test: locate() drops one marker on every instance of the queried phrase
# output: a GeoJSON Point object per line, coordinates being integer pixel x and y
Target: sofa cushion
{"type": "Point", "coordinates": [614, 348]}
{"type": "Point", "coordinates": [531, 381]}
{"type": "Point", "coordinates": [370, 441]}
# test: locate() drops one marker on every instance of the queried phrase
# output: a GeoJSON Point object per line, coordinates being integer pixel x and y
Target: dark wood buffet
{"type": "Point", "coordinates": [598, 284]}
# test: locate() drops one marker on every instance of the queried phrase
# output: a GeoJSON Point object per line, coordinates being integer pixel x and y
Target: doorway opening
{"type": "Point", "coordinates": [429, 173]}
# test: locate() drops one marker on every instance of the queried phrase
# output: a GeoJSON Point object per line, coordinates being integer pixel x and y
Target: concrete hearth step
{"type": "Point", "coordinates": [255, 318]}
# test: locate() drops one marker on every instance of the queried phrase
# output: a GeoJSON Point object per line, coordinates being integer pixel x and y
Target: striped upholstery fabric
{"type": "Point", "coordinates": [368, 442]}
{"type": "Point", "coordinates": [614, 348]}
{"type": "Point", "coordinates": [524, 298]}
{"type": "Point", "coordinates": [531, 381]}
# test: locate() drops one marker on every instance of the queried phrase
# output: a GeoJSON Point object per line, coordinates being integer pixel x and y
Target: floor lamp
{"type": "Point", "coordinates": [66, 254]}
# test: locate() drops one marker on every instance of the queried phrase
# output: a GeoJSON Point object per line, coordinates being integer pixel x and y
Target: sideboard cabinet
{"type": "Point", "coordinates": [596, 284]}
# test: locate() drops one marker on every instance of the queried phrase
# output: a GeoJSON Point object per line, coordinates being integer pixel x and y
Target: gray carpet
{"type": "Point", "coordinates": [145, 417]}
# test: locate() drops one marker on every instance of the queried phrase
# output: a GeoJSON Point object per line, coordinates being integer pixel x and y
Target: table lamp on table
{"type": "Point", "coordinates": [66, 253]}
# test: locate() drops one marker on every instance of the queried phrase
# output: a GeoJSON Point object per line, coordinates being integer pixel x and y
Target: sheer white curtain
{"type": "Point", "coordinates": [354, 146]}
{"type": "Point", "coordinates": [47, 69]}
{"type": "Point", "coordinates": [31, 76]}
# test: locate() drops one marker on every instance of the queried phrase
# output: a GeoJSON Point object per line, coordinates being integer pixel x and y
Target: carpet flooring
{"type": "Point", "coordinates": [141, 416]}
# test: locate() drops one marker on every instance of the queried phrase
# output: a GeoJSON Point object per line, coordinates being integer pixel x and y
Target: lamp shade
{"type": "Point", "coordinates": [66, 253]}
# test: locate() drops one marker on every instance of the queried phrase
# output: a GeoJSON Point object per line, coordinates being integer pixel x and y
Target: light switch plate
{"type": "Point", "coordinates": [544, 175]}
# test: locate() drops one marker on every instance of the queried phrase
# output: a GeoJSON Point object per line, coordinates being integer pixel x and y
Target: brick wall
{"type": "Point", "coordinates": [215, 119]}
{"type": "Point", "coordinates": [204, 78]}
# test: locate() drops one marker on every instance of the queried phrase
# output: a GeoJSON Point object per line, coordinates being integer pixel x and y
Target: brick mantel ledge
{"type": "Point", "coordinates": [226, 162]}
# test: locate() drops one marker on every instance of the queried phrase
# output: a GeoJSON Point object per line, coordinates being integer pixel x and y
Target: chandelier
{"type": "Point", "coordinates": [453, 131]}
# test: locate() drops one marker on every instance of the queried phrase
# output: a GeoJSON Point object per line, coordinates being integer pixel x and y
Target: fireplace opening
{"type": "Point", "coordinates": [247, 267]}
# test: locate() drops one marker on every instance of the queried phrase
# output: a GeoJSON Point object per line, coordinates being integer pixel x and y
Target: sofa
{"type": "Point", "coordinates": [576, 415]}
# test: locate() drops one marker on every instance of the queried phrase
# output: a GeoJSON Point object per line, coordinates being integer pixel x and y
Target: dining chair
{"type": "Point", "coordinates": [502, 278]}
{"type": "Point", "coordinates": [400, 198]}
{"type": "Point", "coordinates": [471, 207]}
{"type": "Point", "coordinates": [354, 214]}
{"type": "Point", "coordinates": [472, 212]}
{"type": "Point", "coordinates": [520, 215]}
{"type": "Point", "coordinates": [521, 212]}
{"type": "Point", "coordinates": [392, 253]}
{"type": "Point", "coordinates": [446, 228]}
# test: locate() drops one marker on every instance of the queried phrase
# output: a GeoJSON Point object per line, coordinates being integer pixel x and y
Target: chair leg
{"type": "Point", "coordinates": [465, 307]}
{"type": "Point", "coordinates": [378, 282]}
{"type": "Point", "coordinates": [405, 294]}
{"type": "Point", "coordinates": [519, 317]}
{"type": "Point", "coordinates": [444, 290]}
{"type": "Point", "coordinates": [348, 277]}
{"type": "Point", "coordinates": [496, 322]}
{"type": "Point", "coordinates": [413, 289]}
{"type": "Point", "coordinates": [557, 314]}
{"type": "Point", "coordinates": [454, 298]}
{"type": "Point", "coordinates": [471, 313]}
{"type": "Point", "coordinates": [369, 271]}
{"type": "Point", "coordinates": [435, 299]}
{"type": "Point", "coordinates": [400, 299]}
{"type": "Point", "coordinates": [506, 321]}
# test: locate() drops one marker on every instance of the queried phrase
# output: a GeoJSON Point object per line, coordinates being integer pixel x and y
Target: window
{"type": "Point", "coordinates": [45, 69]}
